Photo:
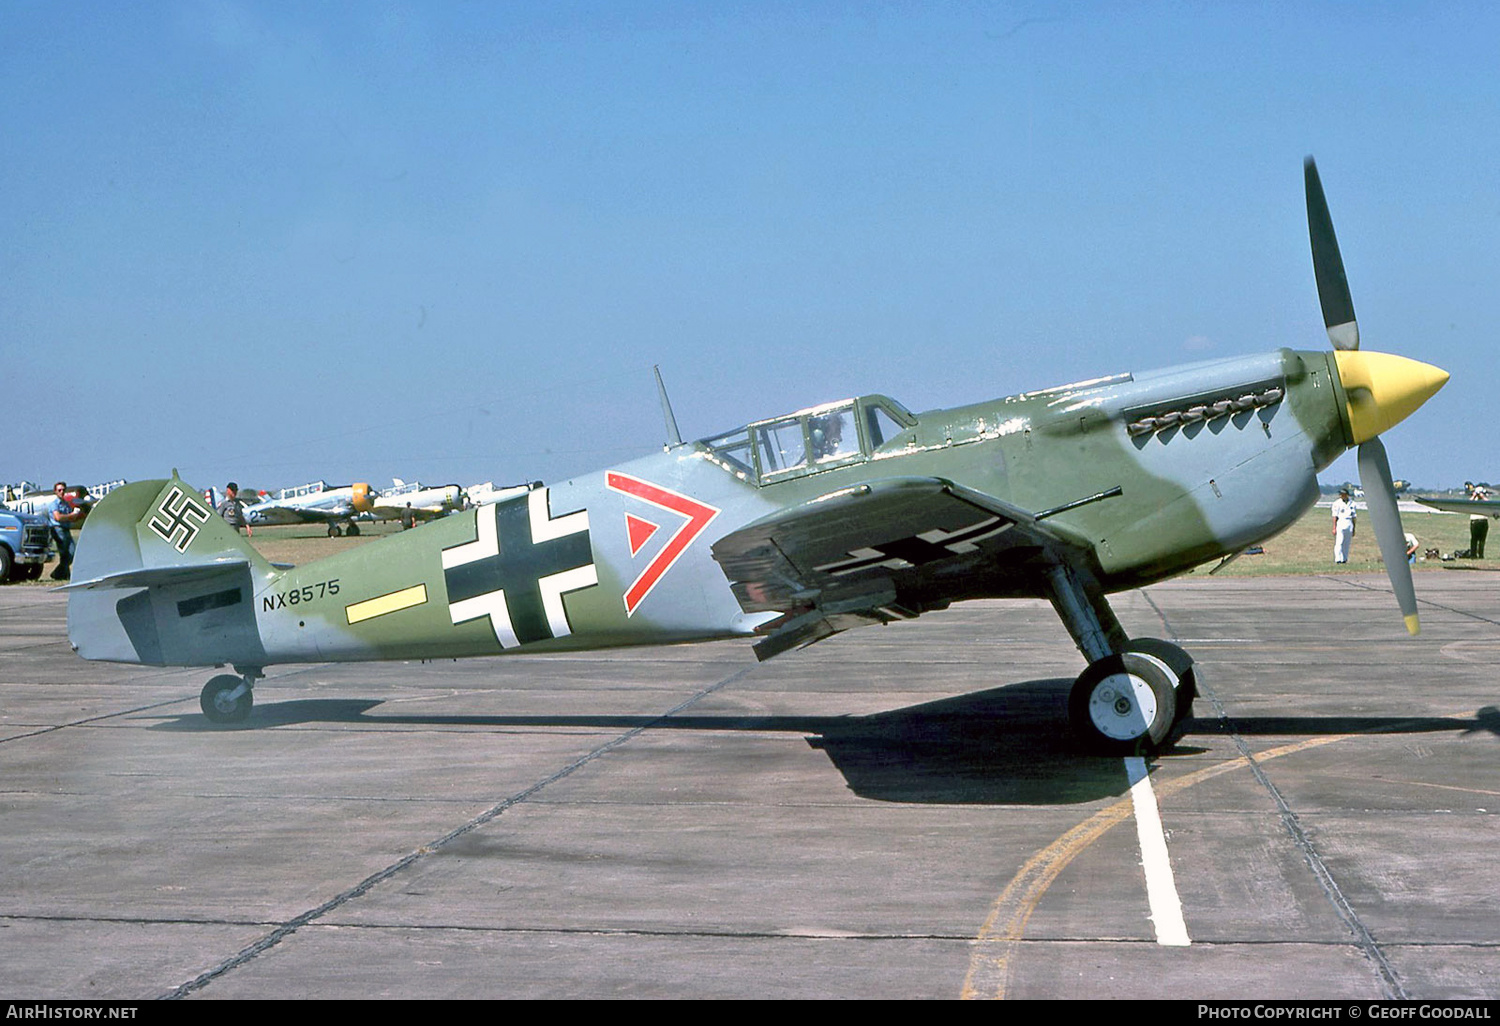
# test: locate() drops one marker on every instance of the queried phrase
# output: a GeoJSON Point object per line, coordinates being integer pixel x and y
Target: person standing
{"type": "Point", "coordinates": [408, 518]}
{"type": "Point", "coordinates": [61, 516]}
{"type": "Point", "coordinates": [232, 510]}
{"type": "Point", "coordinates": [1343, 526]}
{"type": "Point", "coordinates": [1479, 525]}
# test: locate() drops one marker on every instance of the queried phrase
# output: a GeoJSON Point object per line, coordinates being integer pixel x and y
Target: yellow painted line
{"type": "Point", "coordinates": [1445, 787]}
{"type": "Point", "coordinates": [995, 946]}
{"type": "Point", "coordinates": [379, 606]}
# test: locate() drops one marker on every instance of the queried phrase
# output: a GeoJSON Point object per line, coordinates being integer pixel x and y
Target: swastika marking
{"type": "Point", "coordinates": [178, 519]}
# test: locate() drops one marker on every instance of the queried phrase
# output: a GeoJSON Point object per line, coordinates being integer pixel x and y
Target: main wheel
{"type": "Point", "coordinates": [334, 531]}
{"type": "Point", "coordinates": [1124, 704]}
{"type": "Point", "coordinates": [217, 703]}
{"type": "Point", "coordinates": [1180, 663]}
{"type": "Point", "coordinates": [353, 531]}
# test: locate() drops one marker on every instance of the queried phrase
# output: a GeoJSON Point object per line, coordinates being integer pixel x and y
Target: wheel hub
{"type": "Point", "coordinates": [1122, 707]}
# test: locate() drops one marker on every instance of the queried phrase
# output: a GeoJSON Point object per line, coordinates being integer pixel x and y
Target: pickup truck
{"type": "Point", "coordinates": [23, 545]}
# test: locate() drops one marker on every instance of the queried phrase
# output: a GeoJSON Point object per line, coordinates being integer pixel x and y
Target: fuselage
{"type": "Point", "coordinates": [424, 501]}
{"type": "Point", "coordinates": [311, 503]}
{"type": "Point", "coordinates": [1200, 461]}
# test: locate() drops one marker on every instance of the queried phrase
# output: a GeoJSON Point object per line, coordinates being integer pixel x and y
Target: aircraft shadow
{"type": "Point", "coordinates": [1003, 746]}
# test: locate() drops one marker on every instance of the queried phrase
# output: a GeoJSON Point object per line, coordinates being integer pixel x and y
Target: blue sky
{"type": "Point", "coordinates": [281, 241]}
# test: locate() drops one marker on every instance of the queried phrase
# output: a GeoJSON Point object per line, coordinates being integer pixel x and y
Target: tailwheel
{"type": "Point", "coordinates": [1180, 663]}
{"type": "Point", "coordinates": [226, 699]}
{"type": "Point", "coordinates": [1124, 704]}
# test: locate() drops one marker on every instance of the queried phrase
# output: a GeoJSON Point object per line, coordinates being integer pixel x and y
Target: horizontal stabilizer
{"type": "Point", "coordinates": [146, 577]}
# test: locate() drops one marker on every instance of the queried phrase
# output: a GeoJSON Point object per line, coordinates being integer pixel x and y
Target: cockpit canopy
{"type": "Point", "coordinates": [812, 440]}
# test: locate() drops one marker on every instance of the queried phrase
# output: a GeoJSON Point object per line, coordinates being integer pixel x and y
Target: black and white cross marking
{"type": "Point", "coordinates": [178, 519]}
{"type": "Point", "coordinates": [919, 549]}
{"type": "Point", "coordinates": [518, 569]}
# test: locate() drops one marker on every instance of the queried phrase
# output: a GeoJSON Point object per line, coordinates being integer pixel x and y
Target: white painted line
{"type": "Point", "coordinates": [1221, 641]}
{"type": "Point", "coordinates": [1161, 888]}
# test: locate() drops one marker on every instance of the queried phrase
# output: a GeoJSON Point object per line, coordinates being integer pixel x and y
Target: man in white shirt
{"type": "Point", "coordinates": [1343, 526]}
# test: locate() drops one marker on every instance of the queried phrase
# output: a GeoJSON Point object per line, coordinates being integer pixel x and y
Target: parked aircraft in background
{"type": "Point", "coordinates": [19, 490]}
{"type": "Point", "coordinates": [314, 503]}
{"type": "Point", "coordinates": [427, 503]}
{"type": "Point", "coordinates": [488, 492]}
{"type": "Point", "coordinates": [795, 528]}
{"type": "Point", "coordinates": [1488, 507]}
{"type": "Point", "coordinates": [35, 500]}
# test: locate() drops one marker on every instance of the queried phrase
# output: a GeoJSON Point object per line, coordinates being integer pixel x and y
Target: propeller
{"type": "Point", "coordinates": [1328, 265]}
{"type": "Point", "coordinates": [1375, 469]}
{"type": "Point", "coordinates": [1381, 389]}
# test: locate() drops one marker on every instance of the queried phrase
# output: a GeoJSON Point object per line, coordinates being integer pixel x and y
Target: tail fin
{"type": "Point", "coordinates": [188, 581]}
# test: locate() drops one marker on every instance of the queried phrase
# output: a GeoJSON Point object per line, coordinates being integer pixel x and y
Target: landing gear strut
{"type": "Point", "coordinates": [228, 698]}
{"type": "Point", "coordinates": [1137, 693]}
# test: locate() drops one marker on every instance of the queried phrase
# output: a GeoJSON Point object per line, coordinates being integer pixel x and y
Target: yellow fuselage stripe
{"type": "Point", "coordinates": [396, 600]}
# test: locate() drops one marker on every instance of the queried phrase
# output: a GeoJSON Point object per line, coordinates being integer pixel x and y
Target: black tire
{"type": "Point", "coordinates": [333, 531]}
{"type": "Point", "coordinates": [216, 704]}
{"type": "Point", "coordinates": [353, 531]}
{"type": "Point", "coordinates": [1180, 663]}
{"type": "Point", "coordinates": [1124, 704]}
{"type": "Point", "coordinates": [7, 564]}
{"type": "Point", "coordinates": [29, 572]}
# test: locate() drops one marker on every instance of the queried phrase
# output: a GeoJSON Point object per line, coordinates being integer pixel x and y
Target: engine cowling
{"type": "Point", "coordinates": [364, 498]}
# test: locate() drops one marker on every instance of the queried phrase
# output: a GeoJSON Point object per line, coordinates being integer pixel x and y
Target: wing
{"type": "Point", "coordinates": [881, 551]}
{"type": "Point", "coordinates": [309, 515]}
{"type": "Point", "coordinates": [1487, 507]}
{"type": "Point", "coordinates": [280, 516]}
{"type": "Point", "coordinates": [382, 511]}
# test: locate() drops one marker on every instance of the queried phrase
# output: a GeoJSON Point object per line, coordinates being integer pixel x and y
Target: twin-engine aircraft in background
{"type": "Point", "coordinates": [314, 503]}
{"type": "Point", "coordinates": [792, 529]}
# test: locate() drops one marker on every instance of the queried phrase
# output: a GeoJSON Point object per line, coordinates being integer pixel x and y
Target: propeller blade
{"type": "Point", "coordinates": [1380, 498]}
{"type": "Point", "coordinates": [1328, 265]}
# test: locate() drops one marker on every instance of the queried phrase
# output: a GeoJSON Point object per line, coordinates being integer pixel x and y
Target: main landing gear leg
{"type": "Point", "coordinates": [227, 698]}
{"type": "Point", "coordinates": [1136, 693]}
